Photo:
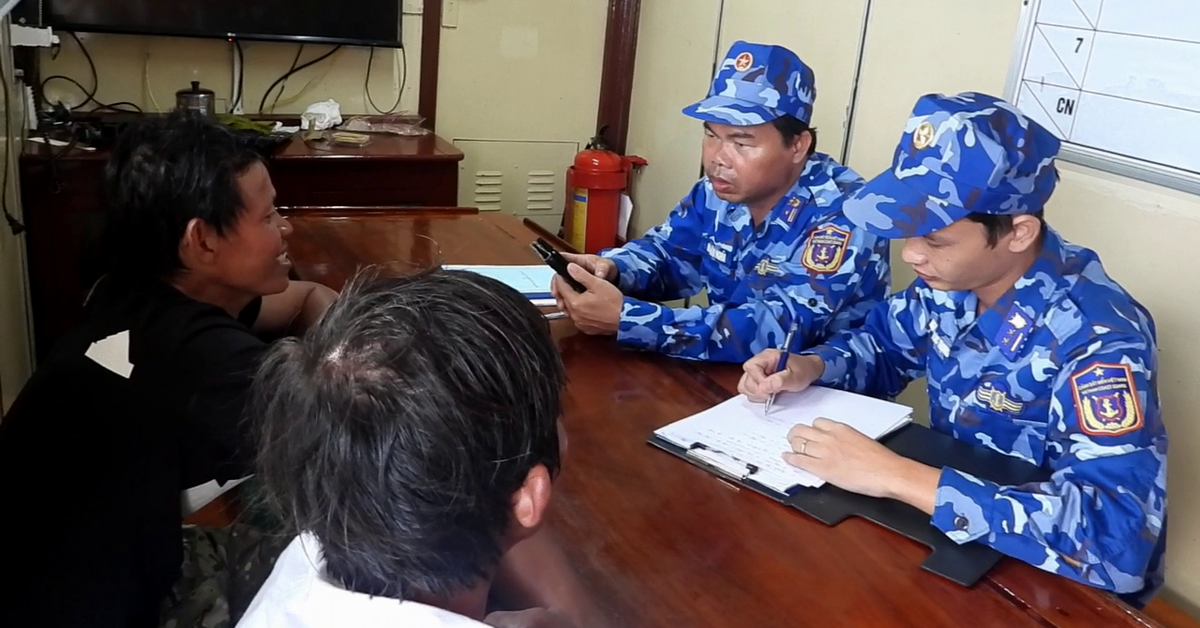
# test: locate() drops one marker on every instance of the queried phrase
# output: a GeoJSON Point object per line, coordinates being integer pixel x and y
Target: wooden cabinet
{"type": "Point", "coordinates": [60, 195]}
{"type": "Point", "coordinates": [390, 170]}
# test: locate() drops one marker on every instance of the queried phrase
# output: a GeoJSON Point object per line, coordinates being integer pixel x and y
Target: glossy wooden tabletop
{"type": "Point", "coordinates": [382, 146]}
{"type": "Point", "coordinates": [660, 542]}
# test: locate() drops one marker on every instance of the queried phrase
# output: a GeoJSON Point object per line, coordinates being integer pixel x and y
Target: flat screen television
{"type": "Point", "coordinates": [350, 22]}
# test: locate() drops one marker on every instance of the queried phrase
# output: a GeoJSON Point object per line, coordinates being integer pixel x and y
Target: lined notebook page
{"type": "Point", "coordinates": [738, 428]}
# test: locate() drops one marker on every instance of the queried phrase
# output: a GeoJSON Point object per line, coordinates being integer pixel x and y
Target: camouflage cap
{"type": "Point", "coordinates": [959, 154]}
{"type": "Point", "coordinates": [755, 84]}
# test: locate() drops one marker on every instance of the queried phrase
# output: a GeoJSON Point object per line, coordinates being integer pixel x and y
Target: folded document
{"type": "Point", "coordinates": [735, 436]}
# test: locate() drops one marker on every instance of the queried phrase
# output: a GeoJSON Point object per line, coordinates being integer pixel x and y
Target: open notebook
{"type": "Point", "coordinates": [736, 438]}
{"type": "Point", "coordinates": [531, 280]}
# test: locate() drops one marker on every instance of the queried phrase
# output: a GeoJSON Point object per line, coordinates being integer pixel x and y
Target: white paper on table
{"type": "Point", "coordinates": [531, 280]}
{"type": "Point", "coordinates": [739, 429]}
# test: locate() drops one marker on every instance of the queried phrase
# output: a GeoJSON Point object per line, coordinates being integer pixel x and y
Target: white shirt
{"type": "Point", "coordinates": [298, 595]}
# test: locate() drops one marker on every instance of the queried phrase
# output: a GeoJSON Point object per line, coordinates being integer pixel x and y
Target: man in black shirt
{"type": "Point", "coordinates": [145, 398]}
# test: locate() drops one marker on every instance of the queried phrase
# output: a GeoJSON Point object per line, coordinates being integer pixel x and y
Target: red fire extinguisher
{"type": "Point", "coordinates": [594, 186]}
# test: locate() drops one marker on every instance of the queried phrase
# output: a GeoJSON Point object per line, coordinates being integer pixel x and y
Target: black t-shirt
{"type": "Point", "coordinates": [92, 462]}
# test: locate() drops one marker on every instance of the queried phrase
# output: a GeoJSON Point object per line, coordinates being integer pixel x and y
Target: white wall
{"type": "Point", "coordinates": [522, 70]}
{"type": "Point", "coordinates": [518, 91]}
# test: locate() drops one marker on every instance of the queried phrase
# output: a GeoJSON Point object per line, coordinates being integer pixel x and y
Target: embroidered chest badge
{"type": "Point", "coordinates": [1106, 400]}
{"type": "Point", "coordinates": [717, 253]}
{"type": "Point", "coordinates": [766, 268]}
{"type": "Point", "coordinates": [793, 210]}
{"type": "Point", "coordinates": [1013, 333]}
{"type": "Point", "coordinates": [826, 249]}
{"type": "Point", "coordinates": [997, 400]}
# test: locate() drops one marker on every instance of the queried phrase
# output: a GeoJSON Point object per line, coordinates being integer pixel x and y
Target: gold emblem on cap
{"type": "Point", "coordinates": [923, 136]}
{"type": "Point", "coordinates": [743, 62]}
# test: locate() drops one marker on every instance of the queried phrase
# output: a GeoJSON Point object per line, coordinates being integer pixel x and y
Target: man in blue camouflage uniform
{"type": "Point", "coordinates": [1029, 347]}
{"type": "Point", "coordinates": [762, 232]}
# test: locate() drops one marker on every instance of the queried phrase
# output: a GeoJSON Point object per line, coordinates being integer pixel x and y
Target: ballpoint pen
{"type": "Point", "coordinates": [783, 358]}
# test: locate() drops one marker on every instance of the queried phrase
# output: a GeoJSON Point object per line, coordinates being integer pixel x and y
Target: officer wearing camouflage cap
{"type": "Point", "coordinates": [1030, 349]}
{"type": "Point", "coordinates": [762, 232]}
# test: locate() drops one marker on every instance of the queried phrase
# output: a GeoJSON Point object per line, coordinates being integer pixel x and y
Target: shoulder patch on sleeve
{"type": "Point", "coordinates": [826, 249]}
{"type": "Point", "coordinates": [1106, 400]}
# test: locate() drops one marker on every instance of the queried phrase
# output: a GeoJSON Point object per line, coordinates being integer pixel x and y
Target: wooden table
{"type": "Point", "coordinates": [662, 543]}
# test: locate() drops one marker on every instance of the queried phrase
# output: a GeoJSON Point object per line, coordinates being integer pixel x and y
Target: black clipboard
{"type": "Point", "coordinates": [964, 564]}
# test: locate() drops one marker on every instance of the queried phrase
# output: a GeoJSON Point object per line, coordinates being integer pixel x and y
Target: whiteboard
{"type": "Point", "coordinates": [1118, 81]}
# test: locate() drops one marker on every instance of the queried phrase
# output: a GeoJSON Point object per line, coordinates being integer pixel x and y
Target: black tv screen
{"type": "Point", "coordinates": [353, 22]}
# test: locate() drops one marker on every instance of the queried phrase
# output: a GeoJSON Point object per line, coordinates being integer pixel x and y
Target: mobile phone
{"type": "Point", "coordinates": [556, 261]}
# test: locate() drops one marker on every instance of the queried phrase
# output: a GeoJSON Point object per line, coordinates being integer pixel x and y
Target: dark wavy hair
{"type": "Point", "coordinates": [791, 127]}
{"type": "Point", "coordinates": [398, 428]}
{"type": "Point", "coordinates": [162, 173]}
{"type": "Point", "coordinates": [997, 226]}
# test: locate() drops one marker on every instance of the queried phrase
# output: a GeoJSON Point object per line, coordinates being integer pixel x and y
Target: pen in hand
{"type": "Point", "coordinates": [782, 365]}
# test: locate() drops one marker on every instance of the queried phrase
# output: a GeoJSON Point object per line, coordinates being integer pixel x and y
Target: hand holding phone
{"type": "Point", "coordinates": [556, 261]}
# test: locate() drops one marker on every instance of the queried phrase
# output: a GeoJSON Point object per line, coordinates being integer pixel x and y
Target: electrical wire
{"type": "Point", "coordinates": [241, 79]}
{"type": "Point", "coordinates": [316, 79]}
{"type": "Point", "coordinates": [90, 94]}
{"type": "Point", "coordinates": [146, 80]}
{"type": "Point", "coordinates": [291, 68]}
{"type": "Point", "coordinates": [403, 80]}
{"type": "Point", "coordinates": [263, 103]}
{"type": "Point", "coordinates": [99, 105]}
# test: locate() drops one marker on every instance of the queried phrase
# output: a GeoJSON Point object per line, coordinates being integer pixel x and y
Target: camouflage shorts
{"type": "Point", "coordinates": [223, 568]}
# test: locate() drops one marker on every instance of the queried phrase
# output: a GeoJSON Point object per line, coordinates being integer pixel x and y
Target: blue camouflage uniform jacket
{"type": "Point", "coordinates": [1061, 373]}
{"type": "Point", "coordinates": [805, 263]}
